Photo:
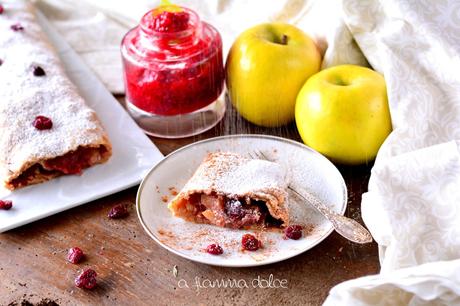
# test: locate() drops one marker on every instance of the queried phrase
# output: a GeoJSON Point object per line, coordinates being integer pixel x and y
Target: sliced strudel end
{"type": "Point", "coordinates": [229, 190]}
{"type": "Point", "coordinates": [68, 137]}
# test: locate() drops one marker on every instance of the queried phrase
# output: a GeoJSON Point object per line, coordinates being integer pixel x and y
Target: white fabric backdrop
{"type": "Point", "coordinates": [95, 28]}
{"type": "Point", "coordinates": [413, 205]}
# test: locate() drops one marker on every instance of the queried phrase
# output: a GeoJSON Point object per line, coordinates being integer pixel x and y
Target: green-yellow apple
{"type": "Point", "coordinates": [266, 67]}
{"type": "Point", "coordinates": [342, 112]}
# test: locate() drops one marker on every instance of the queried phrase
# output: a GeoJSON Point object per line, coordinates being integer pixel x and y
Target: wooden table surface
{"type": "Point", "coordinates": [132, 269]}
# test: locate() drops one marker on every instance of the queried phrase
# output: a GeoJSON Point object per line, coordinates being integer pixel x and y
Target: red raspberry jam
{"type": "Point", "coordinates": [168, 21]}
{"type": "Point", "coordinates": [172, 62]}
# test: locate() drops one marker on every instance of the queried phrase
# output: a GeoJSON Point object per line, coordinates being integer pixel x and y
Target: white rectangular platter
{"type": "Point", "coordinates": [133, 152]}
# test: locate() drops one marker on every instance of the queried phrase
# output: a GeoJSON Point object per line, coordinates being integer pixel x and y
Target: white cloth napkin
{"type": "Point", "coordinates": [435, 283]}
{"type": "Point", "coordinates": [413, 205]}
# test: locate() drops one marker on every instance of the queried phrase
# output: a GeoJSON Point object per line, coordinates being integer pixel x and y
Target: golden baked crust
{"type": "Point", "coordinates": [224, 175]}
{"type": "Point", "coordinates": [24, 96]}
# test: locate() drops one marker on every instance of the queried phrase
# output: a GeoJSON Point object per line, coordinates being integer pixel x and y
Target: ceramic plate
{"type": "Point", "coordinates": [133, 153]}
{"type": "Point", "coordinates": [304, 165]}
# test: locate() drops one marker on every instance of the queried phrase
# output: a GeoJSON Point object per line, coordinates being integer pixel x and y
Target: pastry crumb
{"type": "Point", "coordinates": [166, 233]}
{"type": "Point", "coordinates": [173, 191]}
{"type": "Point", "coordinates": [307, 229]}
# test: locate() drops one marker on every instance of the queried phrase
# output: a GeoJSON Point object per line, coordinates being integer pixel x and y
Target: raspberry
{"type": "Point", "coordinates": [293, 232]}
{"type": "Point", "coordinates": [118, 211]}
{"type": "Point", "coordinates": [17, 27]}
{"type": "Point", "coordinates": [6, 204]}
{"type": "Point", "coordinates": [1, 9]}
{"type": "Point", "coordinates": [169, 22]}
{"type": "Point", "coordinates": [38, 71]}
{"type": "Point", "coordinates": [214, 249]}
{"type": "Point", "coordinates": [87, 279]}
{"type": "Point", "coordinates": [75, 255]}
{"type": "Point", "coordinates": [250, 243]}
{"type": "Point", "coordinates": [234, 209]}
{"type": "Point", "coordinates": [42, 123]}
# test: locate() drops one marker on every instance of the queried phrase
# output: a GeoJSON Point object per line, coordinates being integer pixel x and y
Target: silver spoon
{"type": "Point", "coordinates": [345, 226]}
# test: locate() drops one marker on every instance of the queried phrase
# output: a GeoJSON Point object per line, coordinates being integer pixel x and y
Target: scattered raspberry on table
{"type": "Point", "coordinates": [75, 255]}
{"type": "Point", "coordinates": [118, 211]}
{"type": "Point", "coordinates": [87, 279]}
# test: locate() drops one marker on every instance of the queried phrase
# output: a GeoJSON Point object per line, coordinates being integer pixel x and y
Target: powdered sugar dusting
{"type": "Point", "coordinates": [25, 96]}
{"type": "Point", "coordinates": [230, 240]}
{"type": "Point", "coordinates": [235, 175]}
{"type": "Point", "coordinates": [300, 165]}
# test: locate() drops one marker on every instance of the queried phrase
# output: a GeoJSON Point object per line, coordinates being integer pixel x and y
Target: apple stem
{"type": "Point", "coordinates": [284, 39]}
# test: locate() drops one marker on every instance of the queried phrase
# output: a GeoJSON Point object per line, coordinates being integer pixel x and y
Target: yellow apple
{"type": "Point", "coordinates": [342, 112]}
{"type": "Point", "coordinates": [266, 67]}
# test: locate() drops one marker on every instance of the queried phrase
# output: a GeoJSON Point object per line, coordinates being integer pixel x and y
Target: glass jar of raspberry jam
{"type": "Point", "coordinates": [173, 72]}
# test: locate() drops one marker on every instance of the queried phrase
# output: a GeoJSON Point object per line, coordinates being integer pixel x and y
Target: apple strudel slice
{"type": "Point", "coordinates": [46, 129]}
{"type": "Point", "coordinates": [229, 190]}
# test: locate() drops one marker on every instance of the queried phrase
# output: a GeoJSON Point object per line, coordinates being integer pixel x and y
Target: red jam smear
{"type": "Point", "coordinates": [172, 69]}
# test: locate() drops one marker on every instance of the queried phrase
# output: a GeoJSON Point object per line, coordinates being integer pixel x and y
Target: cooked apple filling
{"type": "Point", "coordinates": [227, 212]}
{"type": "Point", "coordinates": [230, 190]}
{"type": "Point", "coordinates": [71, 163]}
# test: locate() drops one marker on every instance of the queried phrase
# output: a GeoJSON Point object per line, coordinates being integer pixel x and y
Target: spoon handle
{"type": "Point", "coordinates": [346, 227]}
